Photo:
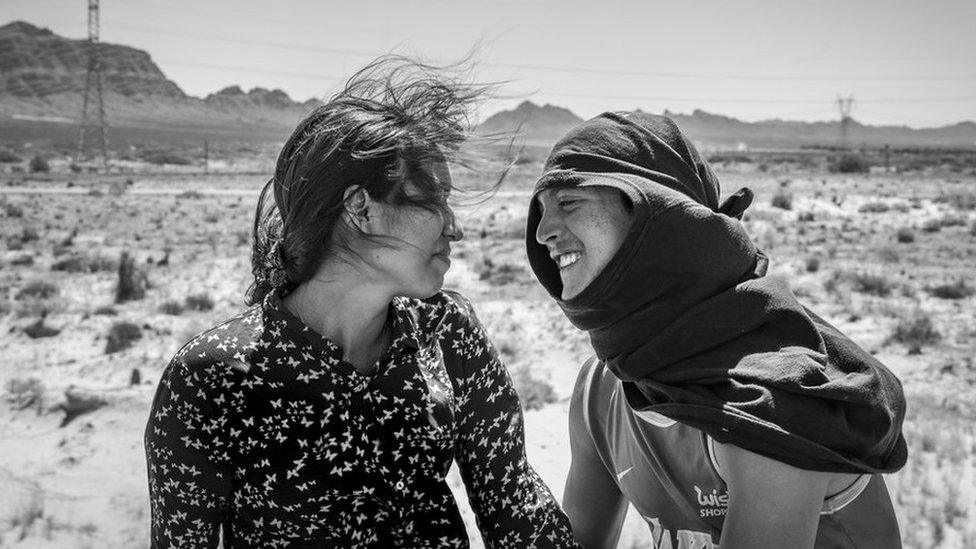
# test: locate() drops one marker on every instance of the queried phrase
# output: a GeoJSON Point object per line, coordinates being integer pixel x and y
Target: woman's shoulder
{"type": "Point", "coordinates": [228, 344]}
{"type": "Point", "coordinates": [448, 318]}
{"type": "Point", "coordinates": [446, 306]}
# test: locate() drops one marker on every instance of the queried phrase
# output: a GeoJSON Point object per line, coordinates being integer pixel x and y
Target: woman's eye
{"type": "Point", "coordinates": [565, 202]}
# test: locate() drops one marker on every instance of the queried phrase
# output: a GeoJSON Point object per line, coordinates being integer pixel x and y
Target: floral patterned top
{"type": "Point", "coordinates": [261, 434]}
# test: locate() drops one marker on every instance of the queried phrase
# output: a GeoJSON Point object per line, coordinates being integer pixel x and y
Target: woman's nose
{"type": "Point", "coordinates": [452, 226]}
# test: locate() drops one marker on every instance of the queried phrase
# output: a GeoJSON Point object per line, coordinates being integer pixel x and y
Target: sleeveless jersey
{"type": "Point", "coordinates": [667, 471]}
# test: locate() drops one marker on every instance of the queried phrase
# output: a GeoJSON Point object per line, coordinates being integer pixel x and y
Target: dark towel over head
{"type": "Point", "coordinates": [684, 315]}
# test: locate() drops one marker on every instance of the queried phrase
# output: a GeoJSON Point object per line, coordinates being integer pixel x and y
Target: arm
{"type": "Point", "coordinates": [771, 504]}
{"type": "Point", "coordinates": [595, 506]}
{"type": "Point", "coordinates": [187, 487]}
{"type": "Point", "coordinates": [513, 507]}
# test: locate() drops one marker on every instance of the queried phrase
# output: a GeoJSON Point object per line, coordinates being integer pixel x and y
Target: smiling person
{"type": "Point", "coordinates": [724, 411]}
{"type": "Point", "coordinates": [329, 412]}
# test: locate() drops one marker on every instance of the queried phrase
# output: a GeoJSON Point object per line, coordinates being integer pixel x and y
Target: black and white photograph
{"type": "Point", "coordinates": [487, 275]}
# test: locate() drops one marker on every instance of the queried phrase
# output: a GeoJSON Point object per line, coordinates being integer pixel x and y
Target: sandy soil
{"type": "Point", "coordinates": [83, 484]}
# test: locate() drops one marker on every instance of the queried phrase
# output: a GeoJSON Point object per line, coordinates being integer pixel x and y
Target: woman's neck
{"type": "Point", "coordinates": [347, 309]}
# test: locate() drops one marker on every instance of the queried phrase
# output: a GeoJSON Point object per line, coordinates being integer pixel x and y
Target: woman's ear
{"type": "Point", "coordinates": [356, 202]}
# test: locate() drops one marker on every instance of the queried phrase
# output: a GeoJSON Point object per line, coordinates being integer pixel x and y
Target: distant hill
{"type": "Point", "coordinates": [537, 125]}
{"type": "Point", "coordinates": [722, 131]}
{"type": "Point", "coordinates": [42, 76]}
{"type": "Point", "coordinates": [545, 125]}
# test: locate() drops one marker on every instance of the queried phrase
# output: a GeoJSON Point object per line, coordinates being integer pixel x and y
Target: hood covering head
{"type": "Point", "coordinates": [676, 215]}
{"type": "Point", "coordinates": [684, 315]}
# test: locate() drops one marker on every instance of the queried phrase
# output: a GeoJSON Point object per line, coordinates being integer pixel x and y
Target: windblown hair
{"type": "Point", "coordinates": [392, 121]}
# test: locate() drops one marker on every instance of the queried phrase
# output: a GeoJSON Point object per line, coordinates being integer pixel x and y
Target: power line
{"type": "Point", "coordinates": [571, 70]}
{"type": "Point", "coordinates": [558, 93]}
{"type": "Point", "coordinates": [730, 76]}
{"type": "Point", "coordinates": [291, 23]}
{"type": "Point", "coordinates": [235, 68]}
{"type": "Point", "coordinates": [749, 100]}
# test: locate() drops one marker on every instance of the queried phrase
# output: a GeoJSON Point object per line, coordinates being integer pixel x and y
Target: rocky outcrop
{"type": "Point", "coordinates": [36, 63]}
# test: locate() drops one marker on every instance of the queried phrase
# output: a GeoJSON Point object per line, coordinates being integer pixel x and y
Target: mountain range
{"type": "Point", "coordinates": [42, 77]}
{"type": "Point", "coordinates": [543, 125]}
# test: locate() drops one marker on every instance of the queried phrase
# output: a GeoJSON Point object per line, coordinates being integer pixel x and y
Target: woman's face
{"type": "Point", "coordinates": [418, 255]}
{"type": "Point", "coordinates": [583, 227]}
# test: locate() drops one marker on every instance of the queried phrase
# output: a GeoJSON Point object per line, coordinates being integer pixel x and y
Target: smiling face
{"type": "Point", "coordinates": [582, 227]}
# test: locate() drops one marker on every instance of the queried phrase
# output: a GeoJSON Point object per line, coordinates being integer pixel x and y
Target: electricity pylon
{"type": "Point", "coordinates": [844, 105]}
{"type": "Point", "coordinates": [92, 101]}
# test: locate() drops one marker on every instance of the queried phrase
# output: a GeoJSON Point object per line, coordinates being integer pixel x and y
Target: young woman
{"type": "Point", "coordinates": [724, 411]}
{"type": "Point", "coordinates": [329, 412]}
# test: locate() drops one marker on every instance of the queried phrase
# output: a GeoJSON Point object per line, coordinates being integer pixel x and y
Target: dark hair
{"type": "Point", "coordinates": [392, 120]}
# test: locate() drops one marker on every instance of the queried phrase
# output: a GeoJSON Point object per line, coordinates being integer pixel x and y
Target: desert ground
{"type": "Point", "coordinates": [887, 256]}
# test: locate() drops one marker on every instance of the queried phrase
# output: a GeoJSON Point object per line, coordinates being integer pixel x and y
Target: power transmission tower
{"type": "Point", "coordinates": [844, 105]}
{"type": "Point", "coordinates": [92, 101]}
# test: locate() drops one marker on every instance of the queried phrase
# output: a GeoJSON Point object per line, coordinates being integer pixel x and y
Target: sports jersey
{"type": "Point", "coordinates": [667, 471]}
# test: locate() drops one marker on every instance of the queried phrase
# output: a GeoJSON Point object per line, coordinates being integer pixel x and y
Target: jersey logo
{"type": "Point", "coordinates": [713, 504]}
{"type": "Point", "coordinates": [621, 474]}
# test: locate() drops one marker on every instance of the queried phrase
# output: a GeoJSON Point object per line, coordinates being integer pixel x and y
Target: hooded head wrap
{"type": "Point", "coordinates": [684, 315]}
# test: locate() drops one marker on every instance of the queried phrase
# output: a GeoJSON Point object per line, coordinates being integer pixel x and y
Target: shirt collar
{"type": "Point", "coordinates": [405, 331]}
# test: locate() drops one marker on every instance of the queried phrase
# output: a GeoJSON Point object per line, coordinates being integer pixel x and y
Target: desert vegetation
{"type": "Point", "coordinates": [104, 277]}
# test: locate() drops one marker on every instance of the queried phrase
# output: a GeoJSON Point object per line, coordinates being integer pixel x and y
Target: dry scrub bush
{"type": "Point", "coordinates": [873, 207]}
{"type": "Point", "coordinates": [28, 234]}
{"type": "Point", "coordinates": [190, 195]}
{"type": "Point", "coordinates": [812, 264]}
{"type": "Point", "coordinates": [952, 220]}
{"type": "Point", "coordinates": [936, 224]}
{"type": "Point", "coordinates": [935, 493]}
{"type": "Point", "coordinates": [39, 164]}
{"type": "Point", "coordinates": [533, 392]}
{"type": "Point", "coordinates": [160, 158]}
{"type": "Point", "coordinates": [38, 289]}
{"type": "Point", "coordinates": [84, 263]}
{"type": "Point", "coordinates": [199, 302]}
{"type": "Point", "coordinates": [121, 336]}
{"type": "Point", "coordinates": [850, 163]}
{"type": "Point", "coordinates": [862, 282]}
{"type": "Point", "coordinates": [79, 402]}
{"type": "Point", "coordinates": [132, 283]}
{"type": "Point", "coordinates": [960, 200]}
{"type": "Point", "coordinates": [916, 332]}
{"type": "Point", "coordinates": [957, 290]}
{"type": "Point", "coordinates": [782, 200]}
{"type": "Point", "coordinates": [13, 211]}
{"type": "Point", "coordinates": [905, 236]}
{"type": "Point", "coordinates": [501, 274]}
{"type": "Point", "coordinates": [171, 307]}
{"type": "Point", "coordinates": [511, 228]}
{"type": "Point", "coordinates": [38, 329]}
{"type": "Point", "coordinates": [8, 157]}
{"type": "Point", "coordinates": [24, 393]}
{"type": "Point", "coordinates": [105, 310]}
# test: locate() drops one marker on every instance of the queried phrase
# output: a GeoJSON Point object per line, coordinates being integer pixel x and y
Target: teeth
{"type": "Point", "coordinates": [566, 260]}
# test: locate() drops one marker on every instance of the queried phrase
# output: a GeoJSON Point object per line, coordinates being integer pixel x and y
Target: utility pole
{"type": "Point", "coordinates": [844, 105]}
{"type": "Point", "coordinates": [92, 101]}
{"type": "Point", "coordinates": [206, 157]}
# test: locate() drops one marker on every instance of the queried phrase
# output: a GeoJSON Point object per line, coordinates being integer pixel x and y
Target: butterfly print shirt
{"type": "Point", "coordinates": [260, 434]}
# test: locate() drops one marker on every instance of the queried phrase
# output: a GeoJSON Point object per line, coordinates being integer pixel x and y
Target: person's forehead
{"type": "Point", "coordinates": [590, 190]}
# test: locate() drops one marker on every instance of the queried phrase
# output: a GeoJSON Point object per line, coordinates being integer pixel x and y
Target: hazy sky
{"type": "Point", "coordinates": [905, 62]}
